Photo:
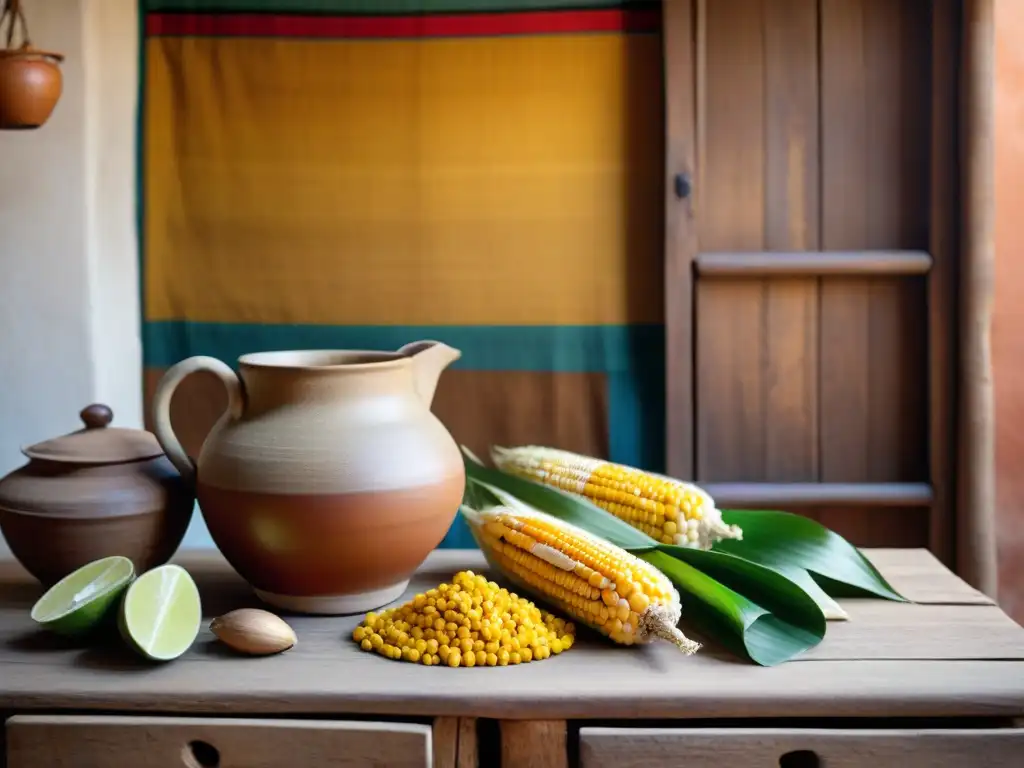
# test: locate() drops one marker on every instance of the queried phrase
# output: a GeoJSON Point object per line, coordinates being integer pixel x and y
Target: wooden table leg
{"type": "Point", "coordinates": [534, 744]}
{"type": "Point", "coordinates": [445, 738]}
{"type": "Point", "coordinates": [455, 744]}
{"type": "Point", "coordinates": [469, 752]}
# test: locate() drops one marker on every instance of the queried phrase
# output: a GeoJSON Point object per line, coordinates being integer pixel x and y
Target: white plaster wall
{"type": "Point", "coordinates": [69, 310]}
{"type": "Point", "coordinates": [111, 85]}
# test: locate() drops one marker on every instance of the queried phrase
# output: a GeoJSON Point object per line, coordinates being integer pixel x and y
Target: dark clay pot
{"type": "Point", "coordinates": [93, 493]}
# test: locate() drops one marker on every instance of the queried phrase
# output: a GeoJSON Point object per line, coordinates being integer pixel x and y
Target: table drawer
{"type": "Point", "coordinates": [184, 742]}
{"type": "Point", "coordinates": [799, 748]}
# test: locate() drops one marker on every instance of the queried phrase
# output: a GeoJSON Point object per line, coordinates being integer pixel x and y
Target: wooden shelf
{"type": "Point", "coordinates": [788, 495]}
{"type": "Point", "coordinates": [813, 264]}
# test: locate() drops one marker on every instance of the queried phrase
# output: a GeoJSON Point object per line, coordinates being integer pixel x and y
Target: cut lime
{"type": "Point", "coordinates": [81, 601]}
{"type": "Point", "coordinates": [161, 613]}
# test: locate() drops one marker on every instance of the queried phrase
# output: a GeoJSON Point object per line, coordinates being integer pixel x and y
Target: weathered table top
{"type": "Point", "coordinates": [951, 653]}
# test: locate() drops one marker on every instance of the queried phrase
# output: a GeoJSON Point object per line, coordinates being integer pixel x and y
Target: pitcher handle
{"type": "Point", "coordinates": [162, 406]}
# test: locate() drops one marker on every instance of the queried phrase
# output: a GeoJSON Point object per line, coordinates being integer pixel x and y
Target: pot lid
{"type": "Point", "coordinates": [97, 443]}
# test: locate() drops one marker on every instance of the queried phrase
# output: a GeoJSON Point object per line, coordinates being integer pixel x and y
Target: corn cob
{"type": "Point", "coordinates": [597, 583]}
{"type": "Point", "coordinates": [670, 511]}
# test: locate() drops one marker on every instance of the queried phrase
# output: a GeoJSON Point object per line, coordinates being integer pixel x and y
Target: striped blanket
{"type": "Point", "coordinates": [359, 174]}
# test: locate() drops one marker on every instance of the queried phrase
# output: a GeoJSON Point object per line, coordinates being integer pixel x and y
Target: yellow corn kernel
{"type": "Point", "coordinates": [560, 547]}
{"type": "Point", "coordinates": [489, 626]}
{"type": "Point", "coordinates": [668, 510]}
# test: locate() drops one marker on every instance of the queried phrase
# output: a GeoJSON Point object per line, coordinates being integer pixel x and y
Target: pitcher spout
{"type": "Point", "coordinates": [429, 359]}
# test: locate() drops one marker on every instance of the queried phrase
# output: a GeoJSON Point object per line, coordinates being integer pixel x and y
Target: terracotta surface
{"type": "Point", "coordinates": [1008, 314]}
{"type": "Point", "coordinates": [310, 544]}
{"type": "Point", "coordinates": [328, 480]}
{"type": "Point", "coordinates": [96, 492]}
{"type": "Point", "coordinates": [50, 549]}
{"type": "Point", "coordinates": [30, 85]}
{"type": "Point", "coordinates": [30, 79]}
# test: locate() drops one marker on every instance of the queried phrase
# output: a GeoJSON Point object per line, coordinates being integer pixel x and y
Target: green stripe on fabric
{"type": "Point", "coordinates": [381, 7]}
{"type": "Point", "coordinates": [636, 416]}
{"type": "Point", "coordinates": [583, 349]}
{"type": "Point", "coordinates": [458, 536]}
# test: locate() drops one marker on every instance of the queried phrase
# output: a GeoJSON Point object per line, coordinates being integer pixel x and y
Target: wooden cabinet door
{"type": "Point", "coordinates": [107, 741]}
{"type": "Point", "coordinates": [809, 260]}
{"type": "Point", "coordinates": [624, 747]}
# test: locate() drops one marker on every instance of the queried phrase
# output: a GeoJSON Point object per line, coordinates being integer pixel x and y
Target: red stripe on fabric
{"type": "Point", "coordinates": [442, 25]}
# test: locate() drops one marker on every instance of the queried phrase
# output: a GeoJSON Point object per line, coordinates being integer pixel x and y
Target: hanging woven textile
{"type": "Point", "coordinates": [355, 174]}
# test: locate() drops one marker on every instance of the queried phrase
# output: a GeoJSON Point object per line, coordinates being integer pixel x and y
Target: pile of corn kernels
{"type": "Point", "coordinates": [471, 622]}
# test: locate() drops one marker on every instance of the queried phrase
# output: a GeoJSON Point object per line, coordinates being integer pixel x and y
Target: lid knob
{"type": "Point", "coordinates": [96, 416]}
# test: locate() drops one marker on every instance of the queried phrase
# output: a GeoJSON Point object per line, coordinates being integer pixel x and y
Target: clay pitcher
{"type": "Point", "coordinates": [328, 480]}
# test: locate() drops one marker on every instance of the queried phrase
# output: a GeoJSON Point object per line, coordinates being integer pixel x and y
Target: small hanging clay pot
{"type": "Point", "coordinates": [30, 79]}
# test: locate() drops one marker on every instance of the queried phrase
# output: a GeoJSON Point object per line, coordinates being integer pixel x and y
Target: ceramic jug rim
{"type": "Point", "coordinates": [324, 359]}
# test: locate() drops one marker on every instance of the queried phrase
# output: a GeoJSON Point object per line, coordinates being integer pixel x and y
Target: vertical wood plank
{"type": "Point", "coordinates": [730, 392]}
{"type": "Point", "coordinates": [941, 281]}
{"type": "Point", "coordinates": [976, 555]}
{"type": "Point", "coordinates": [730, 331]}
{"type": "Point", "coordinates": [792, 215]}
{"type": "Point", "coordinates": [732, 167]}
{"type": "Point", "coordinates": [896, 60]}
{"type": "Point", "coordinates": [791, 381]}
{"type": "Point", "coordinates": [844, 303]}
{"type": "Point", "coordinates": [791, 125]}
{"type": "Point", "coordinates": [445, 738]}
{"type": "Point", "coordinates": [679, 41]}
{"type": "Point", "coordinates": [469, 750]}
{"type": "Point", "coordinates": [534, 744]}
{"type": "Point", "coordinates": [875, 195]}
{"type": "Point", "coordinates": [757, 340]}
{"type": "Point", "coordinates": [455, 742]}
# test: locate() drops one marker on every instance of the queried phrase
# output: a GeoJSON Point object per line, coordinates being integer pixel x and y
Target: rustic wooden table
{"type": "Point", "coordinates": [937, 683]}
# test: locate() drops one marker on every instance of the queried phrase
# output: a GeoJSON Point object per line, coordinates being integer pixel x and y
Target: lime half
{"type": "Point", "coordinates": [161, 613]}
{"type": "Point", "coordinates": [81, 601]}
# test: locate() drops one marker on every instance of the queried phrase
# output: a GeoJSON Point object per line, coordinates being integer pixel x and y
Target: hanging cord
{"type": "Point", "coordinates": [13, 14]}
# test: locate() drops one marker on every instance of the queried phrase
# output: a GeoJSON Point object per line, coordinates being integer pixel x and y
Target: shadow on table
{"type": "Point", "coordinates": [103, 650]}
{"type": "Point", "coordinates": [20, 594]}
{"type": "Point", "coordinates": [41, 641]}
{"type": "Point", "coordinates": [114, 657]}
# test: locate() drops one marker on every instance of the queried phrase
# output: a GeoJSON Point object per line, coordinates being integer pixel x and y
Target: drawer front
{"type": "Point", "coordinates": [799, 748]}
{"type": "Point", "coordinates": [172, 742]}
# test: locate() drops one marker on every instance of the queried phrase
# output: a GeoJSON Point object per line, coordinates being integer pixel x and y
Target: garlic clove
{"type": "Point", "coordinates": [254, 632]}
